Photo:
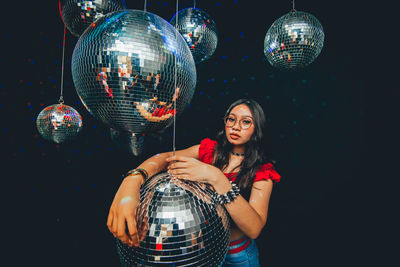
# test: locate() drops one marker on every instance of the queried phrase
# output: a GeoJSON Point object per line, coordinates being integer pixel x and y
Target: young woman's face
{"type": "Point", "coordinates": [239, 125]}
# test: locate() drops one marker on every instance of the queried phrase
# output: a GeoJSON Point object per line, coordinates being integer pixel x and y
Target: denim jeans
{"type": "Point", "coordinates": [245, 258]}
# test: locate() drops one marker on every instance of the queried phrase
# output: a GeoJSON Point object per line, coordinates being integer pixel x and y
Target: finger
{"type": "Point", "coordinates": [178, 172]}
{"type": "Point", "coordinates": [121, 233]}
{"type": "Point", "coordinates": [177, 158]}
{"type": "Point", "coordinates": [109, 220]}
{"type": "Point", "coordinates": [145, 226]}
{"type": "Point", "coordinates": [114, 226]}
{"type": "Point", "coordinates": [177, 165]}
{"type": "Point", "coordinates": [132, 230]}
{"type": "Point", "coordinates": [184, 177]}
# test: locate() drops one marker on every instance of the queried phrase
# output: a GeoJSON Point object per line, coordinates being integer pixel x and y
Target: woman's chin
{"type": "Point", "coordinates": [235, 141]}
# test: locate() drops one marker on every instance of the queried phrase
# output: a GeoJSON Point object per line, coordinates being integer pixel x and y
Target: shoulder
{"type": "Point", "coordinates": [267, 171]}
{"type": "Point", "coordinates": [207, 142]}
{"type": "Point", "coordinates": [206, 150]}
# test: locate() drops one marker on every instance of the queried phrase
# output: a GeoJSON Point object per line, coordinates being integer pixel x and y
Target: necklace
{"type": "Point", "coordinates": [237, 154]}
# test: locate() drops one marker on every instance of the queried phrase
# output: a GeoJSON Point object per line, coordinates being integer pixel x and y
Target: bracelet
{"type": "Point", "coordinates": [228, 196]}
{"type": "Point", "coordinates": [141, 171]}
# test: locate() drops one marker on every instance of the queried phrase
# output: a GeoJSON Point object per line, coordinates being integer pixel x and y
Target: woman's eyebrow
{"type": "Point", "coordinates": [249, 116]}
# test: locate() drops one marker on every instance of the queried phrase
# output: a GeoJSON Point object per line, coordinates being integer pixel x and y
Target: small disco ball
{"type": "Point", "coordinates": [179, 224]}
{"type": "Point", "coordinates": [79, 14]}
{"type": "Point", "coordinates": [123, 68]}
{"type": "Point", "coordinates": [59, 123]}
{"type": "Point", "coordinates": [128, 142]}
{"type": "Point", "coordinates": [199, 31]}
{"type": "Point", "coordinates": [294, 41]}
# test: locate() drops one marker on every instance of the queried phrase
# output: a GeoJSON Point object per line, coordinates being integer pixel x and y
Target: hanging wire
{"type": "Point", "coordinates": [175, 78]}
{"type": "Point", "coordinates": [293, 6]}
{"type": "Point", "coordinates": [61, 100]}
{"type": "Point", "coordinates": [194, 3]}
{"type": "Point", "coordinates": [145, 6]}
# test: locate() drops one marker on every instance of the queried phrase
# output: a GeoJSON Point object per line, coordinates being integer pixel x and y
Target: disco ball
{"type": "Point", "coordinates": [294, 41]}
{"type": "Point", "coordinates": [79, 14]}
{"type": "Point", "coordinates": [59, 123]}
{"type": "Point", "coordinates": [179, 224]}
{"type": "Point", "coordinates": [128, 142]}
{"type": "Point", "coordinates": [123, 68]}
{"type": "Point", "coordinates": [199, 31]}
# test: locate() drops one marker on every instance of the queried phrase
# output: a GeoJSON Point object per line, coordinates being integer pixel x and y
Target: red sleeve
{"type": "Point", "coordinates": [206, 150]}
{"type": "Point", "coordinates": [267, 171]}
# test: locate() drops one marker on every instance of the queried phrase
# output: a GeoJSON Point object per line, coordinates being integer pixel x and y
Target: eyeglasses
{"type": "Point", "coordinates": [244, 123]}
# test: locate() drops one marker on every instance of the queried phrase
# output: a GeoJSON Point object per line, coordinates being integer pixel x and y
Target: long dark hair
{"type": "Point", "coordinates": [254, 149]}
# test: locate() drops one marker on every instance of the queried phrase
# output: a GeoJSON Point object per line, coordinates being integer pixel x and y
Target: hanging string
{"type": "Point", "coordinates": [194, 3]}
{"type": "Point", "coordinates": [293, 6]}
{"type": "Point", "coordinates": [145, 5]}
{"type": "Point", "coordinates": [61, 100]}
{"type": "Point", "coordinates": [175, 78]}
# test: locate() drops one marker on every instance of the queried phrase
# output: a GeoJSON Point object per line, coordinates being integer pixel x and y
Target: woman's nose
{"type": "Point", "coordinates": [236, 126]}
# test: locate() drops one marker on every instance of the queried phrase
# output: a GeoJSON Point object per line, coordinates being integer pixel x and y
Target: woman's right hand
{"type": "Point", "coordinates": [123, 211]}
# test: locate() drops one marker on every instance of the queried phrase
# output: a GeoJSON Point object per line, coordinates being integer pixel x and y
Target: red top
{"type": "Point", "coordinates": [266, 171]}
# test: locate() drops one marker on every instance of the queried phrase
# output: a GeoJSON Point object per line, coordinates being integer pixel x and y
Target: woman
{"type": "Point", "coordinates": [236, 157]}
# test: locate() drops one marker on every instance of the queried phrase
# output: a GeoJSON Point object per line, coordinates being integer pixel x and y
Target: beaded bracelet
{"type": "Point", "coordinates": [228, 196]}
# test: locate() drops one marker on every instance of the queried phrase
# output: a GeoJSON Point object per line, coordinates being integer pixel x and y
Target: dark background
{"type": "Point", "coordinates": [331, 128]}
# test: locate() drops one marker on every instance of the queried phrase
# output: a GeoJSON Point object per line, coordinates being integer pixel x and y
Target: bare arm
{"type": "Point", "coordinates": [158, 163]}
{"type": "Point", "coordinates": [250, 217]}
{"type": "Point", "coordinates": [123, 208]}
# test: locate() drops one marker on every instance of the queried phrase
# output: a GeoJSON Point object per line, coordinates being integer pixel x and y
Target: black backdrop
{"type": "Point", "coordinates": [325, 131]}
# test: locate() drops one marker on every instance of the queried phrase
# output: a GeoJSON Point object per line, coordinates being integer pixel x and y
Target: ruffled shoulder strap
{"type": "Point", "coordinates": [267, 171]}
{"type": "Point", "coordinates": [206, 150]}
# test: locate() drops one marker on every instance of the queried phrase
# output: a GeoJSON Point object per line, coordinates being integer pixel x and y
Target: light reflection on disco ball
{"type": "Point", "coordinates": [179, 224]}
{"type": "Point", "coordinates": [128, 142]}
{"type": "Point", "coordinates": [294, 41]}
{"type": "Point", "coordinates": [59, 123]}
{"type": "Point", "coordinates": [79, 14]}
{"type": "Point", "coordinates": [199, 31]}
{"type": "Point", "coordinates": [123, 71]}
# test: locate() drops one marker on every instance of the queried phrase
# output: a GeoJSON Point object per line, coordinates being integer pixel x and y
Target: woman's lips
{"type": "Point", "coordinates": [234, 136]}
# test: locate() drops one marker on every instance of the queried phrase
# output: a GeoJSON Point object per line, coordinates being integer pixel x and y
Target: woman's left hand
{"type": "Point", "coordinates": [192, 169]}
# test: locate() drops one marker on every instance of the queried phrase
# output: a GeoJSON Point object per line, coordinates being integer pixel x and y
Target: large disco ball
{"type": "Point", "coordinates": [179, 224]}
{"type": "Point", "coordinates": [294, 41]}
{"type": "Point", "coordinates": [199, 31]}
{"type": "Point", "coordinates": [128, 142]}
{"type": "Point", "coordinates": [79, 14]}
{"type": "Point", "coordinates": [59, 123]}
{"type": "Point", "coordinates": [123, 67]}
